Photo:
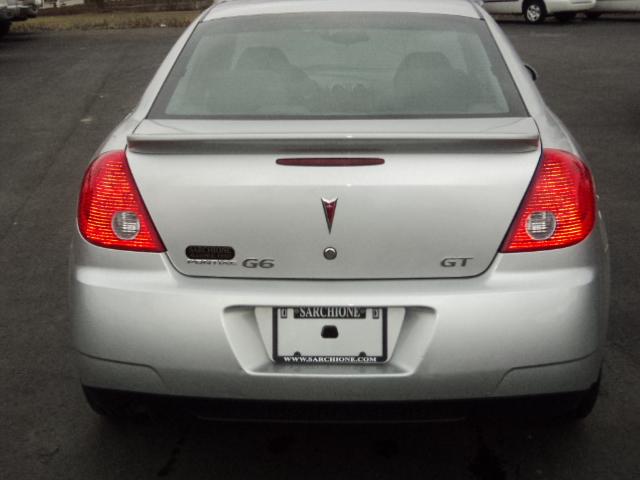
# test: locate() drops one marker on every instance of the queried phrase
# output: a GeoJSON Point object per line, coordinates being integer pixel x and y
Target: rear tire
{"type": "Point", "coordinates": [115, 406]}
{"type": "Point", "coordinates": [534, 11]}
{"type": "Point", "coordinates": [565, 17]}
{"type": "Point", "coordinates": [5, 26]}
{"type": "Point", "coordinates": [586, 404]}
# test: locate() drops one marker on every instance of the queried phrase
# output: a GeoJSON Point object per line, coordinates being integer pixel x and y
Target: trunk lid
{"type": "Point", "coordinates": [448, 189]}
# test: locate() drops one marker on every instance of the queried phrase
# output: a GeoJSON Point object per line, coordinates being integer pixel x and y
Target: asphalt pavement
{"type": "Point", "coordinates": [61, 93]}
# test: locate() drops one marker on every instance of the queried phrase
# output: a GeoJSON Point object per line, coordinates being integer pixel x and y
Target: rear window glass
{"type": "Point", "coordinates": [339, 65]}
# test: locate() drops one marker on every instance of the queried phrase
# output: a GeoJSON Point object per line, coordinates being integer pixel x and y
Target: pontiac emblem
{"type": "Point", "coordinates": [329, 206]}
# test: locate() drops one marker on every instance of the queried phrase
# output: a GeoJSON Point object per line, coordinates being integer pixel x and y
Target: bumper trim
{"type": "Point", "coordinates": [241, 410]}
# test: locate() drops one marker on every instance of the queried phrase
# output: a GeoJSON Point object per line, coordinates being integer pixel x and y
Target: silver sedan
{"type": "Point", "coordinates": [350, 207]}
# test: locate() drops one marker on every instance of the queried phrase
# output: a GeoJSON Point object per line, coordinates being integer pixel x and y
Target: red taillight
{"type": "Point", "coordinates": [559, 209]}
{"type": "Point", "coordinates": [111, 212]}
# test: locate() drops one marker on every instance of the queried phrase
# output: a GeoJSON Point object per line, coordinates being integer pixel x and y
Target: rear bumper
{"type": "Point", "coordinates": [24, 13]}
{"type": "Point", "coordinates": [528, 382]}
{"type": "Point", "coordinates": [532, 324]}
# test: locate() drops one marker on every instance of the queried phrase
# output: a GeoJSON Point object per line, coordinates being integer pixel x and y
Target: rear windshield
{"type": "Point", "coordinates": [339, 65]}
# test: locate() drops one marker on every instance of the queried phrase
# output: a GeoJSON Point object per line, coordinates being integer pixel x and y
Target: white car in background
{"type": "Point", "coordinates": [536, 11]}
{"type": "Point", "coordinates": [613, 6]}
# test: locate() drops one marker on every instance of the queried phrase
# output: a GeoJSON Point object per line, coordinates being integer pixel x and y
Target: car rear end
{"type": "Point", "coordinates": [615, 6]}
{"type": "Point", "coordinates": [311, 206]}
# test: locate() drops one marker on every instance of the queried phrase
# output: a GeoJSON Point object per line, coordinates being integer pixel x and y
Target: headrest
{"type": "Point", "coordinates": [262, 58]}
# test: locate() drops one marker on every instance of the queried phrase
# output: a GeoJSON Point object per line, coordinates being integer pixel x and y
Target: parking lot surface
{"type": "Point", "coordinates": [63, 92]}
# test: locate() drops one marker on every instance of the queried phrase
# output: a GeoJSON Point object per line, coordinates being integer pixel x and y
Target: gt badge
{"type": "Point", "coordinates": [456, 262]}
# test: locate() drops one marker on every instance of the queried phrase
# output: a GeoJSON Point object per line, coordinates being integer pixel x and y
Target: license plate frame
{"type": "Point", "coordinates": [317, 358]}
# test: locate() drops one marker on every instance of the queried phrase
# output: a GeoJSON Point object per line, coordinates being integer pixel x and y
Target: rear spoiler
{"type": "Point", "coordinates": [490, 135]}
{"type": "Point", "coordinates": [213, 144]}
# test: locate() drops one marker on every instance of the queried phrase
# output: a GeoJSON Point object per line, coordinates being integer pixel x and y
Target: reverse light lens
{"type": "Point", "coordinates": [111, 212]}
{"type": "Point", "coordinates": [541, 225]}
{"type": "Point", "coordinates": [559, 208]}
{"type": "Point", "coordinates": [126, 225]}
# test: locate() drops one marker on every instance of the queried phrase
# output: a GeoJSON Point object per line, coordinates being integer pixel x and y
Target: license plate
{"type": "Point", "coordinates": [330, 335]}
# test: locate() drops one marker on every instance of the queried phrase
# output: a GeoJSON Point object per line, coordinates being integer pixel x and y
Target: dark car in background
{"type": "Point", "coordinates": [17, 11]}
